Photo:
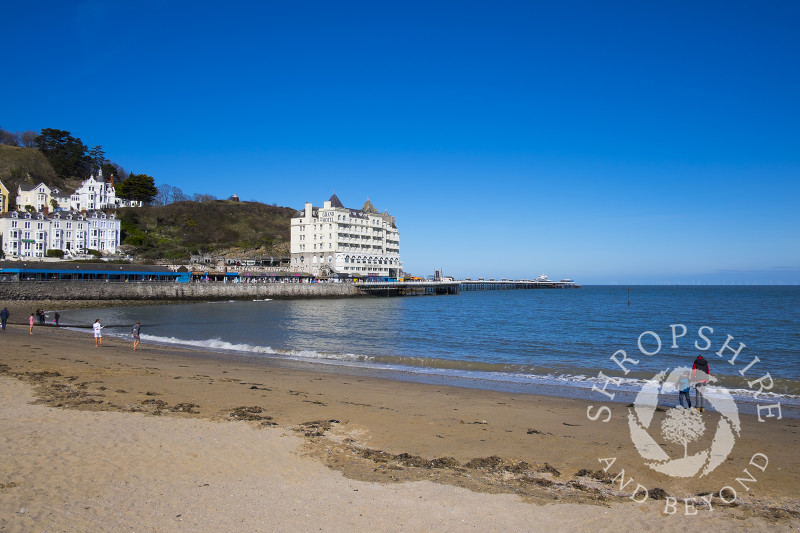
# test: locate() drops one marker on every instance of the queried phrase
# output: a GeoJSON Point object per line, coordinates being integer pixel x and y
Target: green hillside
{"type": "Point", "coordinates": [218, 227]}
{"type": "Point", "coordinates": [25, 166]}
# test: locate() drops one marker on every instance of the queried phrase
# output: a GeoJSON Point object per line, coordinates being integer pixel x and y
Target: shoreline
{"type": "Point", "coordinates": [551, 385]}
{"type": "Point", "coordinates": [542, 449]}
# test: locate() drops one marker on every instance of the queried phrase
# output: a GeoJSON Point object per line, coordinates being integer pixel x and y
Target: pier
{"type": "Point", "coordinates": [408, 288]}
{"type": "Point", "coordinates": [495, 285]}
{"type": "Point", "coordinates": [419, 288]}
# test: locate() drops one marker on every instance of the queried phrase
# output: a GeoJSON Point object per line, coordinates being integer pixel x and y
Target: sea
{"type": "Point", "coordinates": [593, 342]}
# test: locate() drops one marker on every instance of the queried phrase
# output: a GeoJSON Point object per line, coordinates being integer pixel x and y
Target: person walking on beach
{"type": "Point", "coordinates": [4, 317]}
{"type": "Point", "coordinates": [684, 387]}
{"type": "Point", "coordinates": [136, 329]}
{"type": "Point", "coordinates": [98, 333]}
{"type": "Point", "coordinates": [700, 374]}
{"type": "Point", "coordinates": [31, 320]}
{"type": "Point", "coordinates": [55, 318]}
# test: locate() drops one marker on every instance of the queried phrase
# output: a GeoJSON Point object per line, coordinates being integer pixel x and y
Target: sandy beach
{"type": "Point", "coordinates": [163, 439]}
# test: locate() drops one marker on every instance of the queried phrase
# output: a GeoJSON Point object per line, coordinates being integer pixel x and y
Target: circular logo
{"type": "Point", "coordinates": [683, 426]}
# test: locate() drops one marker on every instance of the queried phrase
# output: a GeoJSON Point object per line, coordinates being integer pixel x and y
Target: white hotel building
{"type": "Point", "coordinates": [334, 240]}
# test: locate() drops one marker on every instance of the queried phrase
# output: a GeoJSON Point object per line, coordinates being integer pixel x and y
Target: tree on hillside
{"type": "Point", "coordinates": [139, 187]}
{"type": "Point", "coordinates": [110, 168]}
{"type": "Point", "coordinates": [18, 138]}
{"type": "Point", "coordinates": [97, 156]}
{"type": "Point", "coordinates": [200, 198]}
{"type": "Point", "coordinates": [9, 138]}
{"type": "Point", "coordinates": [67, 154]}
{"type": "Point", "coordinates": [27, 139]}
{"type": "Point", "coordinates": [167, 194]}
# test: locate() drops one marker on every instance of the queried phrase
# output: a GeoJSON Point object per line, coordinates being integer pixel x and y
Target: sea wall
{"type": "Point", "coordinates": [149, 290]}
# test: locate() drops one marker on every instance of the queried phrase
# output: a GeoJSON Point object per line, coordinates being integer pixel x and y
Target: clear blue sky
{"type": "Point", "coordinates": [610, 142]}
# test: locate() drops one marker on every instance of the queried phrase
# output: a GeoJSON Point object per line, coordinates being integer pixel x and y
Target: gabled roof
{"type": "Point", "coordinates": [22, 188]}
{"type": "Point", "coordinates": [335, 202]}
{"type": "Point", "coordinates": [369, 208]}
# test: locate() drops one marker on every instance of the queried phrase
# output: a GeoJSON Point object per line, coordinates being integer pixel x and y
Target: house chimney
{"type": "Point", "coordinates": [111, 181]}
{"type": "Point", "coordinates": [45, 210]}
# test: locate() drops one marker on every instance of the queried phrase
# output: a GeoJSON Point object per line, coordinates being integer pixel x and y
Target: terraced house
{"type": "Point", "coordinates": [27, 234]}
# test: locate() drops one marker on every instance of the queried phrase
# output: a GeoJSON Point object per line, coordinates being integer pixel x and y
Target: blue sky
{"type": "Point", "coordinates": [609, 142]}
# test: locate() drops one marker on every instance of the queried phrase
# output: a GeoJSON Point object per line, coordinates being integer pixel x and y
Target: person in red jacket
{"type": "Point", "coordinates": [700, 374]}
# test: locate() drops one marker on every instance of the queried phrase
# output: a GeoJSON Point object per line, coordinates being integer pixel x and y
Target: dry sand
{"type": "Point", "coordinates": [95, 439]}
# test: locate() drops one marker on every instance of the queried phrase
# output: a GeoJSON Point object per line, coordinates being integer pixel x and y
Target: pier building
{"type": "Point", "coordinates": [338, 241]}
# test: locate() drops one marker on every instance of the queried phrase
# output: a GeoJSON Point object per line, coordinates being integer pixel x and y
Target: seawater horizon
{"type": "Point", "coordinates": [535, 341]}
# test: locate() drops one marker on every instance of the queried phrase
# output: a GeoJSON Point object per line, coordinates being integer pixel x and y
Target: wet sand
{"type": "Point", "coordinates": [172, 440]}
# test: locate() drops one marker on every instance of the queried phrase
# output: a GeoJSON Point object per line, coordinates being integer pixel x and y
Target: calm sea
{"type": "Point", "coordinates": [539, 341]}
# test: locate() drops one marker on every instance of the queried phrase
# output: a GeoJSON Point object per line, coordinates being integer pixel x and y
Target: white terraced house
{"type": "Point", "coordinates": [334, 240]}
{"type": "Point", "coordinates": [27, 234]}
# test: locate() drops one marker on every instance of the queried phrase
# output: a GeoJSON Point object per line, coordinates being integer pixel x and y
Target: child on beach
{"type": "Point", "coordinates": [98, 334]}
{"type": "Point", "coordinates": [31, 320]}
{"type": "Point", "coordinates": [684, 386]}
{"type": "Point", "coordinates": [700, 374]}
{"type": "Point", "coordinates": [136, 329]}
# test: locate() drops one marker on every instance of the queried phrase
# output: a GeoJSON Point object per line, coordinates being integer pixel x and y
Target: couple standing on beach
{"type": "Point", "coordinates": [98, 334]}
{"type": "Point", "coordinates": [700, 374]}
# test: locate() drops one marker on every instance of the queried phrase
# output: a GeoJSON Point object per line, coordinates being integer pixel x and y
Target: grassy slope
{"type": "Point", "coordinates": [218, 227]}
{"type": "Point", "coordinates": [25, 166]}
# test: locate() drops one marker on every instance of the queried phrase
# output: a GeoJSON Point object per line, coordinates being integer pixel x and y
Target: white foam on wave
{"type": "Point", "coordinates": [220, 345]}
{"type": "Point", "coordinates": [213, 344]}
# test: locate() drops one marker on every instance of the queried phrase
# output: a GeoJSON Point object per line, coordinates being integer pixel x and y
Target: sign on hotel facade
{"type": "Point", "coordinates": [334, 240]}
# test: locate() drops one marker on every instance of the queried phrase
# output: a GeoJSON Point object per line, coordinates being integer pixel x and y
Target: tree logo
{"type": "Point", "coordinates": [682, 426]}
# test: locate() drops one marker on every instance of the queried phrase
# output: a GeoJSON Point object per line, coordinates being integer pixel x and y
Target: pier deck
{"type": "Point", "coordinates": [413, 288]}
{"type": "Point", "coordinates": [409, 288]}
{"type": "Point", "coordinates": [482, 285]}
